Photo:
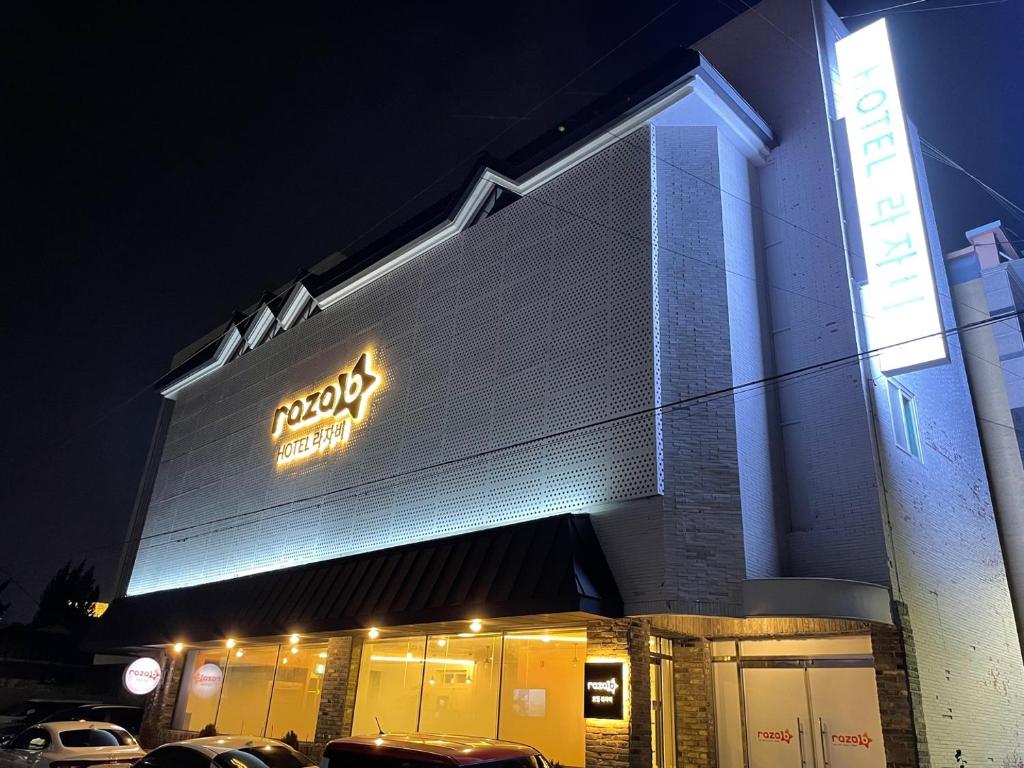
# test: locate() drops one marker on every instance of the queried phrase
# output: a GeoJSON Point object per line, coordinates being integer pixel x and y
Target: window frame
{"type": "Point", "coordinates": [906, 433]}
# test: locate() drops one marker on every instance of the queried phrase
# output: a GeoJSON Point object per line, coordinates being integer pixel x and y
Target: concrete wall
{"type": "Point", "coordinates": [834, 525]}
{"type": "Point", "coordinates": [760, 475]}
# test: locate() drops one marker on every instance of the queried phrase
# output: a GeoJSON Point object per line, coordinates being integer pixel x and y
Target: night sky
{"type": "Point", "coordinates": [166, 163]}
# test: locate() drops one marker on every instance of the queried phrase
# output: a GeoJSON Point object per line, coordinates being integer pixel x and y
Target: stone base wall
{"type": "Point", "coordinates": [158, 711]}
{"type": "Point", "coordinates": [625, 743]}
{"type": "Point", "coordinates": [335, 690]}
{"type": "Point", "coordinates": [899, 694]}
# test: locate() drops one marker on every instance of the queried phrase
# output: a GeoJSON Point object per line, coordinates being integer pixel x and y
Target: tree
{"type": "Point", "coordinates": [69, 599]}
{"type": "Point", "coordinates": [4, 606]}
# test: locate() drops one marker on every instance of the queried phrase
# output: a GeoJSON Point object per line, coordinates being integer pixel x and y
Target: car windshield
{"type": "Point", "coordinates": [96, 737]}
{"type": "Point", "coordinates": [270, 756]}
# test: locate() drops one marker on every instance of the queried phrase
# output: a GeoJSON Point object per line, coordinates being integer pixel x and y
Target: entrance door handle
{"type": "Point", "coordinates": [823, 733]}
{"type": "Point", "coordinates": [800, 741]}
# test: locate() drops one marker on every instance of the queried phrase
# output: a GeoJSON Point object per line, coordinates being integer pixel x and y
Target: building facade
{"type": "Point", "coordinates": [604, 460]}
{"type": "Point", "coordinates": [988, 289]}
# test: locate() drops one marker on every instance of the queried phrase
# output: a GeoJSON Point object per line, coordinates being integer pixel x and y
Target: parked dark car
{"type": "Point", "coordinates": [31, 711]}
{"type": "Point", "coordinates": [418, 750]}
{"type": "Point", "coordinates": [127, 716]}
{"type": "Point", "coordinates": [225, 752]}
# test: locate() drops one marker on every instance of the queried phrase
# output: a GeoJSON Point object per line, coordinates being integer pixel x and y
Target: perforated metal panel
{"type": "Point", "coordinates": [497, 348]}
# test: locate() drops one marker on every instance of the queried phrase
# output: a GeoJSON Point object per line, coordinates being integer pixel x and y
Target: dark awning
{"type": "Point", "coordinates": [551, 565]}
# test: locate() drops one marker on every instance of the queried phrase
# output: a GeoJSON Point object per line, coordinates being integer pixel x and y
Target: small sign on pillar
{"type": "Point", "coordinates": [603, 690]}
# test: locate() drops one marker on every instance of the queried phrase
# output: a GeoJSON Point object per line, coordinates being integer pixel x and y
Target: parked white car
{"type": "Point", "coordinates": [70, 744]}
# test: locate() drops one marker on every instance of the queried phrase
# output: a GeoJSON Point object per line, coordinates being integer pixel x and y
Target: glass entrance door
{"type": "Point", "coordinates": [803, 715]}
{"type": "Point", "coordinates": [847, 726]}
{"type": "Point", "coordinates": [777, 717]}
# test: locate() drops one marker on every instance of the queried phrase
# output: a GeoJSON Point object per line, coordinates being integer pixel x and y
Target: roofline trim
{"type": "Point", "coordinates": [228, 345]}
{"type": "Point", "coordinates": [752, 133]}
{"type": "Point", "coordinates": [259, 326]}
{"type": "Point", "coordinates": [748, 130]}
{"type": "Point", "coordinates": [297, 299]}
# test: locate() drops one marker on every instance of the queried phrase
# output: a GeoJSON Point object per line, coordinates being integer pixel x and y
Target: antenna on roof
{"type": "Point", "coordinates": [380, 731]}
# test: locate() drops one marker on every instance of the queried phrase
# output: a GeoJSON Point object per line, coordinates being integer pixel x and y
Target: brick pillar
{"type": "Point", "coordinates": [158, 709]}
{"type": "Point", "coordinates": [349, 711]}
{"type": "Point", "coordinates": [333, 694]}
{"type": "Point", "coordinates": [626, 743]}
{"type": "Point", "coordinates": [694, 697]}
{"type": "Point", "coordinates": [899, 694]}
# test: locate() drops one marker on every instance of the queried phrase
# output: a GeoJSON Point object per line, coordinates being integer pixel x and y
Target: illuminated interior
{"type": "Point", "coordinates": [201, 683]}
{"type": "Point", "coordinates": [254, 691]}
{"type": "Point", "coordinates": [520, 686]}
{"type": "Point", "coordinates": [542, 692]}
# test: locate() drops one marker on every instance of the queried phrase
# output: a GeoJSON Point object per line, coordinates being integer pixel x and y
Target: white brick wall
{"type": "Point", "coordinates": [947, 563]}
{"type": "Point", "coordinates": [835, 526]}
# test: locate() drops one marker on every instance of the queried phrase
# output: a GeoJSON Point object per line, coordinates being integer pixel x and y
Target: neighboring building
{"type": "Point", "coordinates": [988, 284]}
{"type": "Point", "coordinates": [601, 461]}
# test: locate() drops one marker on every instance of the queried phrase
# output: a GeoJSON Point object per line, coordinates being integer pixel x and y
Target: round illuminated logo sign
{"type": "Point", "coordinates": [206, 681]}
{"type": "Point", "coordinates": [142, 676]}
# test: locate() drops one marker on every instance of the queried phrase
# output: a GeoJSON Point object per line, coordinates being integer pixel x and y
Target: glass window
{"type": "Point", "coordinates": [542, 692]}
{"type": "Point", "coordinates": [96, 737]}
{"type": "Point", "coordinates": [35, 739]}
{"type": "Point", "coordinates": [245, 696]}
{"type": "Point", "coordinates": [390, 682]}
{"type": "Point", "coordinates": [903, 407]}
{"type": "Point", "coordinates": [199, 695]}
{"type": "Point", "coordinates": [461, 682]}
{"type": "Point", "coordinates": [910, 419]}
{"type": "Point", "coordinates": [296, 696]}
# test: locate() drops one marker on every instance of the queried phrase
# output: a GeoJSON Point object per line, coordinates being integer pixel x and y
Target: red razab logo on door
{"type": "Point", "coordinates": [852, 739]}
{"type": "Point", "coordinates": [783, 736]}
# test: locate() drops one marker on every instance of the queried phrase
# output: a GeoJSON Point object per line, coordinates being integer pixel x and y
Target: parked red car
{"type": "Point", "coordinates": [414, 750]}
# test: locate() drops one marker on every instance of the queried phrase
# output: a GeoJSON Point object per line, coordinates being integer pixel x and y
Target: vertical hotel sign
{"type": "Point", "coordinates": [901, 305]}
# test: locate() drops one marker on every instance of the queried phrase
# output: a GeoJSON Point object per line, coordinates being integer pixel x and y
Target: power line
{"type": "Point", "coordinates": [881, 10]}
{"type": "Point", "coordinates": [934, 153]}
{"type": "Point", "coordinates": [827, 366]}
{"type": "Point", "coordinates": [149, 387]}
{"type": "Point", "coordinates": [19, 585]}
{"type": "Point", "coordinates": [897, 8]}
{"type": "Point", "coordinates": [452, 168]}
{"type": "Point", "coordinates": [953, 7]}
{"type": "Point", "coordinates": [843, 309]}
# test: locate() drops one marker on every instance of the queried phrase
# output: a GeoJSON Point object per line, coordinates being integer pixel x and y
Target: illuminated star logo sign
{"type": "Point", "coordinates": [356, 385]}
